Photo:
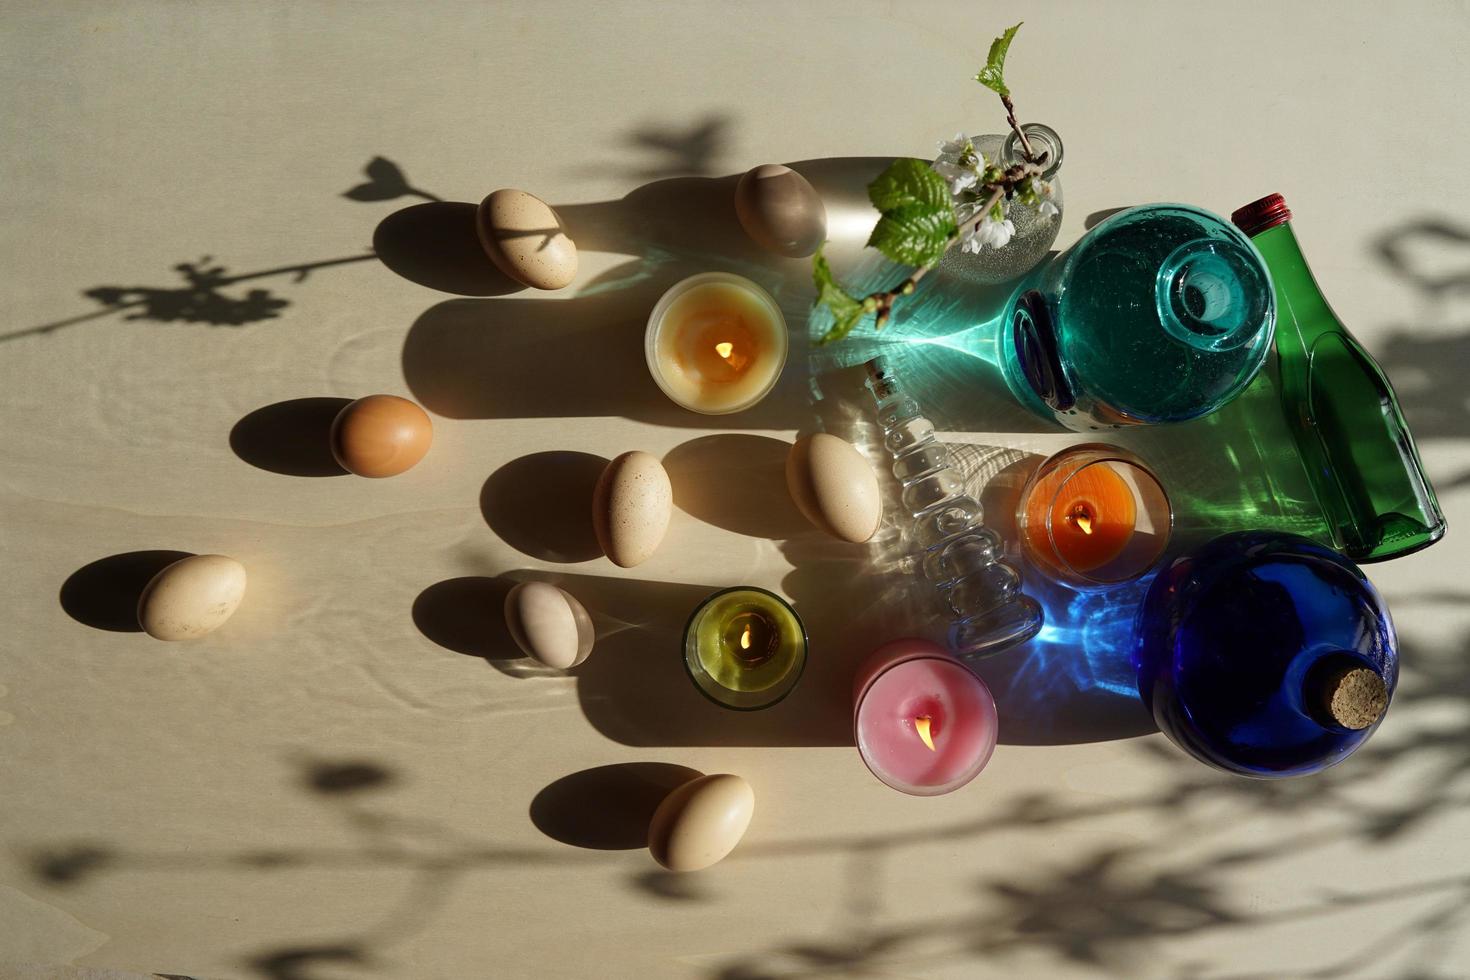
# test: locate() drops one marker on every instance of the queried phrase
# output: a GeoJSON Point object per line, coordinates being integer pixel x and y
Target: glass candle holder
{"type": "Point", "coordinates": [1094, 515]}
{"type": "Point", "coordinates": [745, 648]}
{"type": "Point", "coordinates": [716, 343]}
{"type": "Point", "coordinates": [923, 723]}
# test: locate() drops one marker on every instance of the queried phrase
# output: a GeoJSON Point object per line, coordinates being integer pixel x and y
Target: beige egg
{"type": "Point", "coordinates": [700, 823]}
{"type": "Point", "coordinates": [192, 597]}
{"type": "Point", "coordinates": [780, 210]}
{"type": "Point", "coordinates": [549, 625]}
{"type": "Point", "coordinates": [631, 507]}
{"type": "Point", "coordinates": [525, 238]}
{"type": "Point", "coordinates": [834, 487]}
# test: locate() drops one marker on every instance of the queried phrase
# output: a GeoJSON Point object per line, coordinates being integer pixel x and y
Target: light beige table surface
{"type": "Point", "coordinates": [353, 778]}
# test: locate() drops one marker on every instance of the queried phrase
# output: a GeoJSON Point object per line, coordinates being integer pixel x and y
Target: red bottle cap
{"type": "Point", "coordinates": [1257, 216]}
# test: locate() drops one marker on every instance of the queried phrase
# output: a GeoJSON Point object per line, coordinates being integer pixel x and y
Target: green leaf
{"type": "Point", "coordinates": [908, 181]}
{"type": "Point", "coordinates": [992, 76]}
{"type": "Point", "coordinates": [846, 310]}
{"type": "Point", "coordinates": [915, 234]}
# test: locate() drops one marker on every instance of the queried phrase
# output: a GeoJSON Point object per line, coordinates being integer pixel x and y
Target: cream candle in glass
{"type": "Point", "coordinates": [923, 723]}
{"type": "Point", "coordinates": [716, 343]}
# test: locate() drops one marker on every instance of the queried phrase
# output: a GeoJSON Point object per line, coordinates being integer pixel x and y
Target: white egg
{"type": "Point", "coordinates": [699, 823]}
{"type": "Point", "coordinates": [525, 238]}
{"type": "Point", "coordinates": [192, 597]}
{"type": "Point", "coordinates": [834, 487]}
{"type": "Point", "coordinates": [549, 625]}
{"type": "Point", "coordinates": [631, 508]}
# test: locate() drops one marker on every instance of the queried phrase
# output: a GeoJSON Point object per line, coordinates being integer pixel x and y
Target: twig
{"type": "Point", "coordinates": [1005, 100]}
{"type": "Point", "coordinates": [882, 302]}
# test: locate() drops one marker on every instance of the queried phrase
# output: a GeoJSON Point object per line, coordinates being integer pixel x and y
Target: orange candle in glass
{"type": "Point", "coordinates": [716, 343]}
{"type": "Point", "coordinates": [1087, 520]}
{"type": "Point", "coordinates": [1094, 515]}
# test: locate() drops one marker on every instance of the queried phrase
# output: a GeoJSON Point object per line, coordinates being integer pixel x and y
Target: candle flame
{"type": "Point", "coordinates": [724, 349]}
{"type": "Point", "coordinates": [1082, 519]}
{"type": "Point", "coordinates": [745, 638]}
{"type": "Point", "coordinates": [921, 725]}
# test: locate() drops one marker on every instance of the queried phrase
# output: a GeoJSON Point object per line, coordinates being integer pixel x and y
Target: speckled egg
{"type": "Point", "coordinates": [834, 487]}
{"type": "Point", "coordinates": [631, 507]}
{"type": "Point", "coordinates": [780, 210]}
{"type": "Point", "coordinates": [525, 238]}
{"type": "Point", "coordinates": [191, 598]}
{"type": "Point", "coordinates": [699, 823]}
{"type": "Point", "coordinates": [549, 625]}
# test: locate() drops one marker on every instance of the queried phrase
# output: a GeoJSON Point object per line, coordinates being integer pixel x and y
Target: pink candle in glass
{"type": "Point", "coordinates": [923, 723]}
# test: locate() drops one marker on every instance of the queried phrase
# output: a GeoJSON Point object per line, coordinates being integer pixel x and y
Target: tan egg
{"type": "Point", "coordinates": [631, 507]}
{"type": "Point", "coordinates": [549, 625]}
{"type": "Point", "coordinates": [192, 597]}
{"type": "Point", "coordinates": [525, 238]}
{"type": "Point", "coordinates": [780, 210]}
{"type": "Point", "coordinates": [834, 487]}
{"type": "Point", "coordinates": [381, 435]}
{"type": "Point", "coordinates": [700, 823]}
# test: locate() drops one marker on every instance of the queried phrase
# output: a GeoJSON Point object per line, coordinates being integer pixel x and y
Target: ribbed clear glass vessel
{"type": "Point", "coordinates": [961, 556]}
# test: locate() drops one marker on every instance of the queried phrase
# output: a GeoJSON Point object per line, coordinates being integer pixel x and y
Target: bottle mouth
{"type": "Point", "coordinates": [1212, 294]}
{"type": "Point", "coordinates": [1045, 144]}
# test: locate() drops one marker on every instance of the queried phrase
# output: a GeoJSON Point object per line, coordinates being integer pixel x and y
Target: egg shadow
{"type": "Point", "coordinates": [581, 355]}
{"type": "Point", "coordinates": [736, 481]}
{"type": "Point", "coordinates": [467, 616]}
{"type": "Point", "coordinates": [633, 688]}
{"type": "Point", "coordinates": [104, 594]}
{"type": "Point", "coordinates": [608, 808]}
{"type": "Point", "coordinates": [293, 438]}
{"type": "Point", "coordinates": [436, 245]}
{"type": "Point", "coordinates": [541, 505]}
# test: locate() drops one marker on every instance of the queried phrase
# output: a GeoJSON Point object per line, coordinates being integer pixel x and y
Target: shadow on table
{"type": "Point", "coordinates": [608, 808]}
{"type": "Point", "coordinates": [541, 505]}
{"type": "Point", "coordinates": [104, 594]}
{"type": "Point", "coordinates": [293, 438]}
{"type": "Point", "coordinates": [581, 355]}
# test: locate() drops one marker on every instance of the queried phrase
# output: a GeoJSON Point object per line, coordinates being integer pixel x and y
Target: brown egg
{"type": "Point", "coordinates": [381, 435]}
{"type": "Point", "coordinates": [780, 210]}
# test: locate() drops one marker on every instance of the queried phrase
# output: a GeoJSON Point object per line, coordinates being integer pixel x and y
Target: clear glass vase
{"type": "Point", "coordinates": [1035, 232]}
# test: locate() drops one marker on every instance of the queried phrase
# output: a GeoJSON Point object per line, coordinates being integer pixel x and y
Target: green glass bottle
{"type": "Point", "coordinates": [1342, 412]}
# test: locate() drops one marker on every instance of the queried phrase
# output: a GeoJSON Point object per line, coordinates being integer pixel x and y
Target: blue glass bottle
{"type": "Point", "coordinates": [1265, 654]}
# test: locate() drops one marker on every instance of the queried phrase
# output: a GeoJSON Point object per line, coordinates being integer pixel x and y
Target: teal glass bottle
{"type": "Point", "coordinates": [1344, 417]}
{"type": "Point", "coordinates": [1162, 313]}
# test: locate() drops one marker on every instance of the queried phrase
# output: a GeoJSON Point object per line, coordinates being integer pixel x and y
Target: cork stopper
{"type": "Point", "coordinates": [1353, 697]}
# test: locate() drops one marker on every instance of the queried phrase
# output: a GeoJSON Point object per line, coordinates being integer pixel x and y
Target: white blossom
{"type": "Point", "coordinates": [992, 232]}
{"type": "Point", "coordinates": [960, 178]}
{"type": "Point", "coordinates": [955, 147]}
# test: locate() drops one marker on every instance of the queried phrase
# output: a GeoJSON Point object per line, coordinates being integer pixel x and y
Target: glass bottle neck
{"type": "Point", "coordinates": [1302, 311]}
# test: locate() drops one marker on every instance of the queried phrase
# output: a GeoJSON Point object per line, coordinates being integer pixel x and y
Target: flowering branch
{"type": "Point", "coordinates": [924, 210]}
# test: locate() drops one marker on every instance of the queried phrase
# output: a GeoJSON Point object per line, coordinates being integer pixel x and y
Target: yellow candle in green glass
{"type": "Point", "coordinates": [745, 648]}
